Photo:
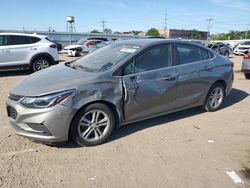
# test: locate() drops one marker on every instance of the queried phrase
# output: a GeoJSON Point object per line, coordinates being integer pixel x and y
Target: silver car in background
{"type": "Point", "coordinates": [121, 83]}
{"type": "Point", "coordinates": [246, 65]}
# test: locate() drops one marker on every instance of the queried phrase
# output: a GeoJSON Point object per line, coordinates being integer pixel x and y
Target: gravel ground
{"type": "Point", "coordinates": [190, 148]}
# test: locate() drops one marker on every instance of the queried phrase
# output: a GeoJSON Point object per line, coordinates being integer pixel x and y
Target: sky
{"type": "Point", "coordinates": [125, 15]}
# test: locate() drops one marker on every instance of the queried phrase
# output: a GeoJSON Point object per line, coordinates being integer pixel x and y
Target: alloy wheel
{"type": "Point", "coordinates": [216, 97]}
{"type": "Point", "coordinates": [41, 64]}
{"type": "Point", "coordinates": [94, 125]}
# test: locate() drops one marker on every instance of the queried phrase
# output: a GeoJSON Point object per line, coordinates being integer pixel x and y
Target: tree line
{"type": "Point", "coordinates": [231, 35]}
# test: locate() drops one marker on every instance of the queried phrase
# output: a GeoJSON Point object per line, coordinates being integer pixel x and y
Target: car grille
{"type": "Point", "coordinates": [14, 97]}
{"type": "Point", "coordinates": [11, 112]}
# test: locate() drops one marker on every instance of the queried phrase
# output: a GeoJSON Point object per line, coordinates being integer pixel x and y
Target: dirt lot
{"type": "Point", "coordinates": [185, 149]}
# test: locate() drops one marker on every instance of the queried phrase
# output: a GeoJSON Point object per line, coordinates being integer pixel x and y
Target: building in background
{"type": "Point", "coordinates": [184, 34]}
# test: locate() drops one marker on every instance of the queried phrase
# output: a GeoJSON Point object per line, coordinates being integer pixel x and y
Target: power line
{"type": "Point", "coordinates": [103, 24]}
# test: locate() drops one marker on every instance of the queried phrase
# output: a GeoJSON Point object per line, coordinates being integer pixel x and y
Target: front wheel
{"type": "Point", "coordinates": [247, 75]}
{"type": "Point", "coordinates": [93, 125]}
{"type": "Point", "coordinates": [40, 63]}
{"type": "Point", "coordinates": [215, 98]}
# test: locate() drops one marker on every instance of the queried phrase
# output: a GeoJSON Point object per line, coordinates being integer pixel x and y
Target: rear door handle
{"type": "Point", "coordinates": [206, 68]}
{"type": "Point", "coordinates": [169, 77]}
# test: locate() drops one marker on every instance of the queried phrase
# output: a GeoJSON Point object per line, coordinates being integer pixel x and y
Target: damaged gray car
{"type": "Point", "coordinates": [121, 83]}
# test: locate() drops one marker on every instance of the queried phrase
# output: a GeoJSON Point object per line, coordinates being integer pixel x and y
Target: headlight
{"type": "Point", "coordinates": [46, 101]}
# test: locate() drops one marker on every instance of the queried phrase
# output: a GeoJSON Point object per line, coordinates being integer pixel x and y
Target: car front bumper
{"type": "Point", "coordinates": [46, 125]}
{"type": "Point", "coordinates": [69, 52]}
{"type": "Point", "coordinates": [240, 52]}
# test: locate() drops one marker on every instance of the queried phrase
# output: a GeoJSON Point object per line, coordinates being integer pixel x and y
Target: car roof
{"type": "Point", "coordinates": [153, 41]}
{"type": "Point", "coordinates": [93, 40]}
{"type": "Point", "coordinates": [24, 34]}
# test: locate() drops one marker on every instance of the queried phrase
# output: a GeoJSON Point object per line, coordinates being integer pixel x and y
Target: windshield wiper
{"type": "Point", "coordinates": [69, 64]}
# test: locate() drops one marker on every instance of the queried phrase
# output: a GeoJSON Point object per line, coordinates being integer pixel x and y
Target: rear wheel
{"type": "Point", "coordinates": [93, 125]}
{"type": "Point", "coordinates": [247, 75]}
{"type": "Point", "coordinates": [215, 98]}
{"type": "Point", "coordinates": [40, 63]}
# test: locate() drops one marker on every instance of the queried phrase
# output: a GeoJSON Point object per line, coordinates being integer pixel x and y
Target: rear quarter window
{"type": "Point", "coordinates": [34, 39]}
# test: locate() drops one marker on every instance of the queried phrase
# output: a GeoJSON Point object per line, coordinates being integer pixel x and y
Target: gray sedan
{"type": "Point", "coordinates": [118, 84]}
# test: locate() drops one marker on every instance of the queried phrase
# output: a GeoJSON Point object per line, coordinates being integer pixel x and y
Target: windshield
{"type": "Point", "coordinates": [81, 42]}
{"type": "Point", "coordinates": [246, 43]}
{"type": "Point", "coordinates": [106, 57]}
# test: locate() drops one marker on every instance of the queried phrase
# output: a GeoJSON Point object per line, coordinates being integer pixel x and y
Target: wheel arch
{"type": "Point", "coordinates": [41, 55]}
{"type": "Point", "coordinates": [112, 106]}
{"type": "Point", "coordinates": [223, 82]}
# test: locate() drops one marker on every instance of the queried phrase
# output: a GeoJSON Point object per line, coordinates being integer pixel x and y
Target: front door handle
{"type": "Point", "coordinates": [132, 77]}
{"type": "Point", "coordinates": [5, 51]}
{"type": "Point", "coordinates": [169, 77]}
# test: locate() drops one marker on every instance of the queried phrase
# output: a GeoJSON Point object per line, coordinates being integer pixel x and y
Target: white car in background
{"type": "Point", "coordinates": [26, 51]}
{"type": "Point", "coordinates": [242, 48]}
{"type": "Point", "coordinates": [76, 49]}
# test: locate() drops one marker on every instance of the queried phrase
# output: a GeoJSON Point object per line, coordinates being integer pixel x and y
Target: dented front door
{"type": "Point", "coordinates": [149, 93]}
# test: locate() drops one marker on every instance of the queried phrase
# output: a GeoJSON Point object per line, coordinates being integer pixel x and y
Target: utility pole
{"type": "Point", "coordinates": [247, 31]}
{"type": "Point", "coordinates": [165, 23]}
{"type": "Point", "coordinates": [103, 22]}
{"type": "Point", "coordinates": [209, 20]}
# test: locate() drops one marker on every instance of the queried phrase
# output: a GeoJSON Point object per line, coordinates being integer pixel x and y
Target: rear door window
{"type": "Point", "coordinates": [189, 53]}
{"type": "Point", "coordinates": [2, 40]}
{"type": "Point", "coordinates": [19, 40]}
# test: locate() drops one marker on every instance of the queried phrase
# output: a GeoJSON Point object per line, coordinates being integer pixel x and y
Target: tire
{"type": "Point", "coordinates": [40, 63]}
{"type": "Point", "coordinates": [85, 128]}
{"type": "Point", "coordinates": [247, 75]}
{"type": "Point", "coordinates": [226, 54]}
{"type": "Point", "coordinates": [213, 104]}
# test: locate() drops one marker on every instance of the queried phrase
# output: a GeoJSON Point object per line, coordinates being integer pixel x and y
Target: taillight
{"type": "Point", "coordinates": [53, 46]}
{"type": "Point", "coordinates": [232, 64]}
{"type": "Point", "coordinates": [246, 56]}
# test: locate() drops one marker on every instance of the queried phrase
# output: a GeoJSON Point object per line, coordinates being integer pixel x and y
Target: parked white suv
{"type": "Point", "coordinates": [26, 51]}
{"type": "Point", "coordinates": [242, 48]}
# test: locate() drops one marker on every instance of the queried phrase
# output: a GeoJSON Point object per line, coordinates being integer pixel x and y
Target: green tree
{"type": "Point", "coordinates": [153, 32]}
{"type": "Point", "coordinates": [117, 32]}
{"type": "Point", "coordinates": [232, 35]}
{"type": "Point", "coordinates": [95, 31]}
{"type": "Point", "coordinates": [195, 34]}
{"type": "Point", "coordinates": [107, 31]}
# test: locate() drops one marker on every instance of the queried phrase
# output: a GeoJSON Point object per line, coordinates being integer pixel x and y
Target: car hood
{"type": "Point", "coordinates": [72, 47]}
{"type": "Point", "coordinates": [244, 46]}
{"type": "Point", "coordinates": [51, 80]}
